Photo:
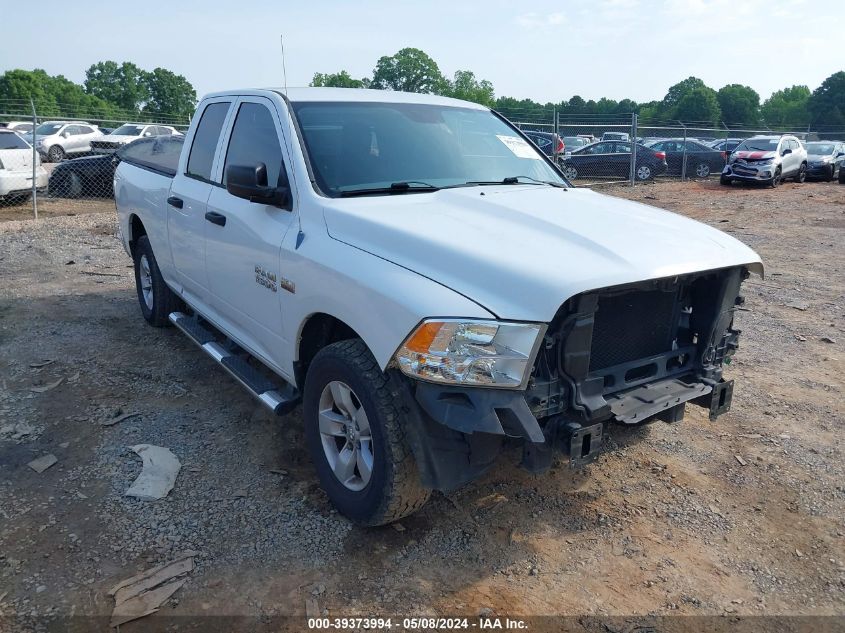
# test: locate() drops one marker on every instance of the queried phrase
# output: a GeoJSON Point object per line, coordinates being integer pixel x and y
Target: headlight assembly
{"type": "Point", "coordinates": [473, 353]}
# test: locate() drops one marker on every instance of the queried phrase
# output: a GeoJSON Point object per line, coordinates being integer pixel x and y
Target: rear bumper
{"type": "Point", "coordinates": [20, 182]}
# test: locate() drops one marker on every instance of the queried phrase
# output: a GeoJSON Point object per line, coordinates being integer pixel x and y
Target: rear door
{"type": "Point", "coordinates": [243, 247]}
{"type": "Point", "coordinates": [188, 197]}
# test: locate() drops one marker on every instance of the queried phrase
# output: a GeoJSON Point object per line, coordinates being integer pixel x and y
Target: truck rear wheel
{"type": "Point", "coordinates": [356, 438]}
{"type": "Point", "coordinates": [156, 299]}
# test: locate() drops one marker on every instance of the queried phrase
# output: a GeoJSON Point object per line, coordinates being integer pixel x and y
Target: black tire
{"type": "Point", "coordinates": [801, 176]}
{"type": "Point", "coordinates": [644, 172]}
{"type": "Point", "coordinates": [841, 176]}
{"type": "Point", "coordinates": [163, 300]}
{"type": "Point", "coordinates": [73, 185]}
{"type": "Point", "coordinates": [394, 489]}
{"type": "Point", "coordinates": [55, 154]}
{"type": "Point", "coordinates": [725, 181]}
{"type": "Point", "coordinates": [702, 170]}
{"type": "Point", "coordinates": [775, 181]}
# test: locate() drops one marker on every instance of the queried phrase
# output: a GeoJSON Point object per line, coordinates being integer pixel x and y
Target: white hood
{"type": "Point", "coordinates": [521, 251]}
{"type": "Point", "coordinates": [123, 139]}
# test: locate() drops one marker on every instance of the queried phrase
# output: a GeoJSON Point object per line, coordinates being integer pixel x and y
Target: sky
{"type": "Point", "coordinates": [540, 49]}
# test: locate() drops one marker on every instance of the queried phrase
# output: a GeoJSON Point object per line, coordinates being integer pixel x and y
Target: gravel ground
{"type": "Point", "coordinates": [743, 516]}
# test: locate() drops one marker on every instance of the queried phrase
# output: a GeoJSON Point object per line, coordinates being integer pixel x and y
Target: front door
{"type": "Point", "coordinates": [243, 244]}
{"type": "Point", "coordinates": [186, 204]}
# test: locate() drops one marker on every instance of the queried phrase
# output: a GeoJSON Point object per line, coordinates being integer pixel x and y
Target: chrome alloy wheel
{"type": "Point", "coordinates": [345, 435]}
{"type": "Point", "coordinates": [146, 281]}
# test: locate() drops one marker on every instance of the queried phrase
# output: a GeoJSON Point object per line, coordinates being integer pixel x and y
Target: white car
{"type": "Point", "coordinates": [423, 306]}
{"type": "Point", "coordinates": [21, 127]}
{"type": "Point", "coordinates": [767, 159]}
{"type": "Point", "coordinates": [55, 140]}
{"type": "Point", "coordinates": [16, 168]}
{"type": "Point", "coordinates": [127, 133]}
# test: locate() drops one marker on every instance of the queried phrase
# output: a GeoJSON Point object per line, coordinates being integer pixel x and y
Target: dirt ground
{"type": "Point", "coordinates": [742, 516]}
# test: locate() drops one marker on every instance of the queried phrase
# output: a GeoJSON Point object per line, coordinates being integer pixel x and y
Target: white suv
{"type": "Point", "coordinates": [56, 139]}
{"type": "Point", "coordinates": [767, 159]}
{"type": "Point", "coordinates": [16, 168]}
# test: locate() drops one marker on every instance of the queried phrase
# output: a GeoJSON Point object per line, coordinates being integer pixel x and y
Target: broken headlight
{"type": "Point", "coordinates": [475, 353]}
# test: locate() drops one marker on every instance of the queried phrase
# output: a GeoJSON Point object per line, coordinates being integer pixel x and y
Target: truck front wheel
{"type": "Point", "coordinates": [356, 437]}
{"type": "Point", "coordinates": [156, 299]}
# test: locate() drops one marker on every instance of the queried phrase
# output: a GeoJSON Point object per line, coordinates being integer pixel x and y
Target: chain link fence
{"type": "Point", "coordinates": [57, 162]}
{"type": "Point", "coordinates": [594, 150]}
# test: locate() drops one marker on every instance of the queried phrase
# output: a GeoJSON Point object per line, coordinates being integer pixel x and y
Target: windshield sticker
{"type": "Point", "coordinates": [518, 146]}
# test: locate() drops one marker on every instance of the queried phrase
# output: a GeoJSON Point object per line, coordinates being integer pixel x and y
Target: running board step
{"type": "Point", "coordinates": [280, 399]}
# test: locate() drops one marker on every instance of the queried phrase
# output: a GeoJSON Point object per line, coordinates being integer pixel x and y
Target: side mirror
{"type": "Point", "coordinates": [840, 154]}
{"type": "Point", "coordinates": [786, 151]}
{"type": "Point", "coordinates": [65, 134]}
{"type": "Point", "coordinates": [250, 183]}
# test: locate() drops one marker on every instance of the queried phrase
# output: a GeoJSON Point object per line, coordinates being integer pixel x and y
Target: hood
{"type": "Point", "coordinates": [753, 155]}
{"type": "Point", "coordinates": [117, 138]}
{"type": "Point", "coordinates": [521, 251]}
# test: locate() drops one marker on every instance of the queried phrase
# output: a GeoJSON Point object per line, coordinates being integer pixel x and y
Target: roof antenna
{"type": "Point", "coordinates": [300, 236]}
{"type": "Point", "coordinates": [284, 69]}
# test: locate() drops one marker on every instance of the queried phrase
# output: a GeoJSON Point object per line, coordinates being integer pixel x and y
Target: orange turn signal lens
{"type": "Point", "coordinates": [422, 339]}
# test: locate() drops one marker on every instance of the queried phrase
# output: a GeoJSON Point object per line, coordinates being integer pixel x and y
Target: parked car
{"type": "Point", "coordinates": [766, 159]}
{"type": "Point", "coordinates": [419, 323]}
{"type": "Point", "coordinates": [700, 159]}
{"type": "Point", "coordinates": [127, 133]}
{"type": "Point", "coordinates": [825, 159]}
{"type": "Point", "coordinates": [16, 168]}
{"type": "Point", "coordinates": [612, 159]}
{"type": "Point", "coordinates": [549, 143]}
{"type": "Point", "coordinates": [616, 136]}
{"type": "Point", "coordinates": [92, 176]}
{"type": "Point", "coordinates": [571, 143]}
{"type": "Point", "coordinates": [726, 145]}
{"type": "Point", "coordinates": [21, 127]}
{"type": "Point", "coordinates": [56, 139]}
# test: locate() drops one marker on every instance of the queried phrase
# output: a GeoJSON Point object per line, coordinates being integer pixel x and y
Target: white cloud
{"type": "Point", "coordinates": [534, 20]}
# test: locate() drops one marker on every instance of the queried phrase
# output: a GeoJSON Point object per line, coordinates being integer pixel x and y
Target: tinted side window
{"type": "Point", "coordinates": [255, 140]}
{"type": "Point", "coordinates": [84, 129]}
{"type": "Point", "coordinates": [205, 140]}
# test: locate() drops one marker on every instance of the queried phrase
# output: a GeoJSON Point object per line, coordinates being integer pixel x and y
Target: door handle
{"type": "Point", "coordinates": [173, 201]}
{"type": "Point", "coordinates": [216, 218]}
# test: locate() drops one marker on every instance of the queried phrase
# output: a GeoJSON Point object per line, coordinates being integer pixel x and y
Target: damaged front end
{"type": "Point", "coordinates": [628, 354]}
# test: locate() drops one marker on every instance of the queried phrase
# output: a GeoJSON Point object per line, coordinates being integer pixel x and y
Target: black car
{"type": "Point", "coordinates": [92, 176]}
{"type": "Point", "coordinates": [548, 142]}
{"type": "Point", "coordinates": [701, 160]}
{"type": "Point", "coordinates": [89, 176]}
{"type": "Point", "coordinates": [726, 145]}
{"type": "Point", "coordinates": [824, 159]}
{"type": "Point", "coordinates": [612, 159]}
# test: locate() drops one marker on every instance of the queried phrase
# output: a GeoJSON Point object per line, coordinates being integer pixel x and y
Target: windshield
{"type": "Point", "coordinates": [10, 140]}
{"type": "Point", "coordinates": [48, 129]}
{"type": "Point", "coordinates": [129, 130]}
{"type": "Point", "coordinates": [820, 149]}
{"type": "Point", "coordinates": [759, 145]}
{"type": "Point", "coordinates": [357, 146]}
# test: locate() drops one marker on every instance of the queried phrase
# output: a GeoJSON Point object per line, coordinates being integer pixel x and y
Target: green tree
{"type": "Point", "coordinates": [787, 107]}
{"type": "Point", "coordinates": [53, 96]}
{"type": "Point", "coordinates": [172, 98]}
{"type": "Point", "coordinates": [740, 105]}
{"type": "Point", "coordinates": [123, 85]}
{"type": "Point", "coordinates": [338, 80]}
{"type": "Point", "coordinates": [827, 103]}
{"type": "Point", "coordinates": [690, 100]}
{"type": "Point", "coordinates": [465, 86]}
{"type": "Point", "coordinates": [409, 70]}
{"type": "Point", "coordinates": [698, 105]}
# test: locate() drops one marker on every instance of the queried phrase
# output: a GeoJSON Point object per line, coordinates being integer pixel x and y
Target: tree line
{"type": "Point", "coordinates": [690, 100]}
{"type": "Point", "coordinates": [111, 91]}
{"type": "Point", "coordinates": [116, 91]}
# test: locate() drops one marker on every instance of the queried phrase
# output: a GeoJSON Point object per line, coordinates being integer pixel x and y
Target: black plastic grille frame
{"type": "Point", "coordinates": [633, 325]}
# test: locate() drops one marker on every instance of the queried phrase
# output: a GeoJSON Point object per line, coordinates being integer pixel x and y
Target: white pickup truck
{"type": "Point", "coordinates": [425, 282]}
